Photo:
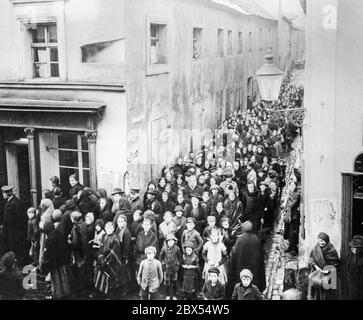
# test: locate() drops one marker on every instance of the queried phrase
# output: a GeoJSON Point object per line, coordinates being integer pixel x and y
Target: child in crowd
{"type": "Point", "coordinates": [108, 262]}
{"type": "Point", "coordinates": [180, 221]}
{"type": "Point", "coordinates": [145, 238]}
{"type": "Point", "coordinates": [190, 275]}
{"type": "Point", "coordinates": [136, 225]}
{"type": "Point", "coordinates": [245, 290]}
{"type": "Point", "coordinates": [192, 235]}
{"type": "Point", "coordinates": [33, 235]}
{"type": "Point", "coordinates": [150, 275]}
{"type": "Point", "coordinates": [213, 289]}
{"type": "Point", "coordinates": [166, 227]}
{"type": "Point", "coordinates": [170, 257]}
{"type": "Point", "coordinates": [215, 255]}
{"type": "Point", "coordinates": [211, 221]}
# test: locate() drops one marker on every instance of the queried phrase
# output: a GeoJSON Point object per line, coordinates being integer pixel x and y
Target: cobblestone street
{"type": "Point", "coordinates": [276, 260]}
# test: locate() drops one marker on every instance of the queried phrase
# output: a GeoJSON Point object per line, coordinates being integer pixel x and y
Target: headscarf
{"type": "Point", "coordinates": [46, 209]}
{"type": "Point", "coordinates": [324, 236]}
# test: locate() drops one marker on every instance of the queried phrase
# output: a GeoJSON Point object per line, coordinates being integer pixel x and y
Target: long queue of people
{"type": "Point", "coordinates": [196, 231]}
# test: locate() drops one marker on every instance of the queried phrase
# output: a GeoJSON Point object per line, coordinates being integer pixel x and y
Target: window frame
{"type": "Point", "coordinates": [159, 68]}
{"type": "Point", "coordinates": [48, 46]}
{"type": "Point", "coordinates": [80, 152]}
{"type": "Point", "coordinates": [240, 43]}
{"type": "Point", "coordinates": [229, 43]}
{"type": "Point", "coordinates": [220, 42]}
{"type": "Point", "coordinates": [47, 12]}
{"type": "Point", "coordinates": [201, 44]}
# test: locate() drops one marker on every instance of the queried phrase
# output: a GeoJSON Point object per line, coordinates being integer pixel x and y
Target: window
{"type": "Point", "coordinates": [45, 51]}
{"type": "Point", "coordinates": [230, 48]}
{"type": "Point", "coordinates": [219, 107]}
{"type": "Point", "coordinates": [197, 43]}
{"type": "Point", "coordinates": [358, 164]}
{"type": "Point", "coordinates": [240, 43]}
{"type": "Point", "coordinates": [260, 40]}
{"type": "Point", "coordinates": [250, 41]}
{"type": "Point", "coordinates": [228, 103]}
{"type": "Point", "coordinates": [220, 43]}
{"type": "Point", "coordinates": [73, 158]}
{"type": "Point", "coordinates": [158, 48]}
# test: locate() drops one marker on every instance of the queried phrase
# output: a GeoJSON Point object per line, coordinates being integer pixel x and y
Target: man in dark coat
{"type": "Point", "coordinates": [247, 253]}
{"type": "Point", "coordinates": [11, 279]}
{"type": "Point", "coordinates": [15, 226]}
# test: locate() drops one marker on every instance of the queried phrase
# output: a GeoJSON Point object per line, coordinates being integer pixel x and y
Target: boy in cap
{"type": "Point", "coordinates": [245, 290]}
{"type": "Point", "coordinates": [213, 289]}
{"type": "Point", "coordinates": [150, 275]}
{"type": "Point", "coordinates": [11, 279]}
{"type": "Point", "coordinates": [192, 235]}
{"type": "Point", "coordinates": [170, 257]}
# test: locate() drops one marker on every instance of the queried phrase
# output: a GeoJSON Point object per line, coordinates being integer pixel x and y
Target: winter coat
{"type": "Point", "coordinates": [199, 214]}
{"type": "Point", "coordinates": [234, 210]}
{"type": "Point", "coordinates": [247, 253]}
{"type": "Point", "coordinates": [125, 243]}
{"type": "Point", "coordinates": [55, 253]}
{"type": "Point", "coordinates": [170, 258]}
{"type": "Point", "coordinates": [251, 210]}
{"type": "Point", "coordinates": [73, 191]}
{"type": "Point", "coordinates": [15, 227]}
{"type": "Point", "coordinates": [106, 213]}
{"type": "Point", "coordinates": [242, 293]}
{"type": "Point", "coordinates": [142, 242]}
{"type": "Point", "coordinates": [11, 284]}
{"type": "Point", "coordinates": [216, 292]}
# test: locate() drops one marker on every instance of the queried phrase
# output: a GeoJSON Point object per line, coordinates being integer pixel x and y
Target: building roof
{"type": "Point", "coordinates": [247, 7]}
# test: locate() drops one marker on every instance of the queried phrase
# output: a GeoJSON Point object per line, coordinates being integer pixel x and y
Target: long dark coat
{"type": "Point", "coordinates": [247, 253]}
{"type": "Point", "coordinates": [355, 276]}
{"type": "Point", "coordinates": [200, 215]}
{"type": "Point", "coordinates": [251, 210]}
{"type": "Point", "coordinates": [15, 228]}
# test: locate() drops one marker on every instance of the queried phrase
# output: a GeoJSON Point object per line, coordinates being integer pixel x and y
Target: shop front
{"type": "Point", "coordinates": [44, 138]}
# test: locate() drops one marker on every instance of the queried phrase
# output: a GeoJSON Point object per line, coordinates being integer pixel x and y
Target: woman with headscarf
{"type": "Point", "coordinates": [251, 207]}
{"type": "Point", "coordinates": [46, 209]}
{"type": "Point", "coordinates": [55, 260]}
{"type": "Point", "coordinates": [106, 213]}
{"type": "Point", "coordinates": [323, 255]}
{"type": "Point", "coordinates": [85, 202]}
{"type": "Point", "coordinates": [233, 208]}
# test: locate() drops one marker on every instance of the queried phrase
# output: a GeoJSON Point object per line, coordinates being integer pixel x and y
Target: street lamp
{"type": "Point", "coordinates": [269, 78]}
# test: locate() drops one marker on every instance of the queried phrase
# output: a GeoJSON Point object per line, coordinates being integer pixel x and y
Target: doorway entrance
{"type": "Point", "coordinates": [18, 171]}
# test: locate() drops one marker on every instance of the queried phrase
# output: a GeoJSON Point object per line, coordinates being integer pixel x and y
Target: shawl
{"type": "Point", "coordinates": [324, 256]}
{"type": "Point", "coordinates": [120, 233]}
{"type": "Point", "coordinates": [47, 208]}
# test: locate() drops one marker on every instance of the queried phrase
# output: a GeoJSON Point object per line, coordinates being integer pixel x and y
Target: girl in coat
{"type": "Point", "coordinates": [190, 267]}
{"type": "Point", "coordinates": [215, 255]}
{"type": "Point", "coordinates": [108, 262]}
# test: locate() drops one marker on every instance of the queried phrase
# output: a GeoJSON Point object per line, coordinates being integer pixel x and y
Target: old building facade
{"type": "Point", "coordinates": [333, 147]}
{"type": "Point", "coordinates": [96, 89]}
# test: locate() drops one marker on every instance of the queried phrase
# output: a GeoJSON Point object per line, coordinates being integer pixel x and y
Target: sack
{"type": "Point", "coordinates": [316, 278]}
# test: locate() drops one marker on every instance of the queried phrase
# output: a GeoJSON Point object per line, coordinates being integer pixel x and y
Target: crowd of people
{"type": "Point", "coordinates": [194, 233]}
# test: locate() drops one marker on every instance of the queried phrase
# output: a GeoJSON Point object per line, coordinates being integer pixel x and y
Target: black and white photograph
{"type": "Point", "coordinates": [181, 150]}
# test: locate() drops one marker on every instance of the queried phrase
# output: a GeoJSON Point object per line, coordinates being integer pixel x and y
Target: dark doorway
{"type": "Point", "coordinates": [24, 174]}
{"type": "Point", "coordinates": [357, 223]}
